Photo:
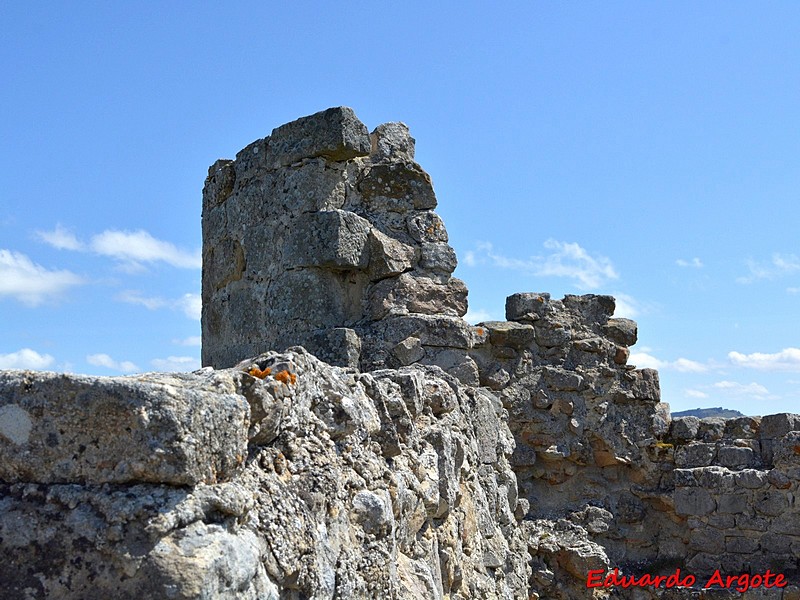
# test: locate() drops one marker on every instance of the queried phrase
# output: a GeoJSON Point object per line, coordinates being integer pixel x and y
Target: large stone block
{"type": "Point", "coordinates": [332, 239]}
{"type": "Point", "coordinates": [403, 184]}
{"type": "Point", "coordinates": [527, 306]}
{"type": "Point", "coordinates": [693, 501]}
{"type": "Point", "coordinates": [335, 134]}
{"type": "Point", "coordinates": [156, 428]}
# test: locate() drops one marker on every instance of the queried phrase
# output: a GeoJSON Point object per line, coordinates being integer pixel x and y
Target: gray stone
{"type": "Point", "coordinates": [786, 451]}
{"type": "Point", "coordinates": [733, 503]}
{"type": "Point", "coordinates": [427, 227]}
{"type": "Point", "coordinates": [527, 307]}
{"type": "Point", "coordinates": [408, 351]}
{"type": "Point", "coordinates": [158, 428]}
{"type": "Point", "coordinates": [388, 256]}
{"type": "Point", "coordinates": [774, 427]}
{"type": "Point", "coordinates": [711, 429]}
{"type": "Point", "coordinates": [684, 429]}
{"type": "Point", "coordinates": [392, 141]}
{"type": "Point", "coordinates": [334, 239]}
{"type": "Point", "coordinates": [734, 457]}
{"type": "Point", "coordinates": [511, 334]}
{"type": "Point", "coordinates": [409, 294]}
{"type": "Point", "coordinates": [693, 501]}
{"type": "Point", "coordinates": [621, 331]}
{"type": "Point", "coordinates": [335, 134]}
{"type": "Point", "coordinates": [695, 455]}
{"type": "Point", "coordinates": [397, 187]}
{"type": "Point", "coordinates": [741, 545]}
{"type": "Point", "coordinates": [771, 503]}
{"type": "Point", "coordinates": [751, 478]}
{"type": "Point", "coordinates": [338, 346]}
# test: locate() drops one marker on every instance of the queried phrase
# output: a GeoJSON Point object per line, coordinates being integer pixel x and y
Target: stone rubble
{"type": "Point", "coordinates": [353, 437]}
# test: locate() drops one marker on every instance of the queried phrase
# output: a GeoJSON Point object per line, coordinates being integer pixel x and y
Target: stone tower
{"type": "Point", "coordinates": [324, 235]}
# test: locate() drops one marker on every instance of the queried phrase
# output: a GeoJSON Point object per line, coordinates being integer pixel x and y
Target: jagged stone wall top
{"type": "Point", "coordinates": [497, 461]}
{"type": "Point", "coordinates": [324, 235]}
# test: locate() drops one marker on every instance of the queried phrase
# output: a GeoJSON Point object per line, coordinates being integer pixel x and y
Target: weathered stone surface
{"type": "Point", "coordinates": [693, 501]}
{"type": "Point", "coordinates": [441, 460]}
{"type": "Point", "coordinates": [313, 509]}
{"type": "Point", "coordinates": [684, 428]}
{"type": "Point", "coordinates": [334, 239]}
{"type": "Point", "coordinates": [154, 428]}
{"type": "Point", "coordinates": [621, 331]}
{"type": "Point", "coordinates": [335, 134]}
{"type": "Point", "coordinates": [527, 307]}
{"type": "Point", "coordinates": [392, 141]}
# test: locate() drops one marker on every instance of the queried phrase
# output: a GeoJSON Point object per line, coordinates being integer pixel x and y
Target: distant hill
{"type": "Point", "coordinates": [702, 413]}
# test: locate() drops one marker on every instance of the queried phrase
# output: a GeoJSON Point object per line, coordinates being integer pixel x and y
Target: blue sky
{"type": "Point", "coordinates": [645, 150]}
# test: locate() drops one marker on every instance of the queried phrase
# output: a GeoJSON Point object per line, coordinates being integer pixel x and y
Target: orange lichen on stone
{"type": "Point", "coordinates": [286, 377]}
{"type": "Point", "coordinates": [256, 372]}
{"type": "Point", "coordinates": [480, 331]}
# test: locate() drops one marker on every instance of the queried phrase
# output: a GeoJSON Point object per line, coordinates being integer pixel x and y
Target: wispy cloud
{"type": "Point", "coordinates": [190, 304]}
{"type": "Point", "coordinates": [565, 259]}
{"type": "Point", "coordinates": [478, 315]}
{"type": "Point", "coordinates": [132, 249]}
{"type": "Point", "coordinates": [787, 359]}
{"type": "Point", "coordinates": [780, 265]}
{"type": "Point", "coordinates": [194, 340]}
{"type": "Point", "coordinates": [176, 363]}
{"type": "Point", "coordinates": [695, 263]}
{"type": "Point", "coordinates": [25, 359]}
{"type": "Point", "coordinates": [136, 247]}
{"type": "Point", "coordinates": [61, 238]}
{"type": "Point", "coordinates": [30, 283]}
{"type": "Point", "coordinates": [754, 390]}
{"type": "Point", "coordinates": [104, 360]}
{"type": "Point", "coordinates": [682, 365]}
{"type": "Point", "coordinates": [696, 394]}
{"type": "Point", "coordinates": [627, 306]}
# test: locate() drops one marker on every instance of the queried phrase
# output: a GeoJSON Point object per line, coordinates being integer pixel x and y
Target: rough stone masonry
{"type": "Point", "coordinates": [400, 452]}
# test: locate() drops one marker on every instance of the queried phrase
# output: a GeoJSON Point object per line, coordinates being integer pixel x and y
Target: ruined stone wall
{"type": "Point", "coordinates": [434, 459]}
{"type": "Point", "coordinates": [324, 235]}
{"type": "Point", "coordinates": [354, 264]}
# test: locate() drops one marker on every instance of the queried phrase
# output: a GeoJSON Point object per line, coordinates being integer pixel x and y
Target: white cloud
{"type": "Point", "coordinates": [104, 360]}
{"type": "Point", "coordinates": [695, 263]}
{"type": "Point", "coordinates": [781, 264]}
{"type": "Point", "coordinates": [787, 359]}
{"type": "Point", "coordinates": [190, 304]}
{"type": "Point", "coordinates": [469, 258]}
{"type": "Point", "coordinates": [194, 340]}
{"type": "Point", "coordinates": [151, 303]}
{"type": "Point", "coordinates": [61, 238]}
{"type": "Point", "coordinates": [682, 365]}
{"type": "Point", "coordinates": [478, 315]}
{"type": "Point", "coordinates": [793, 290]}
{"type": "Point", "coordinates": [643, 360]}
{"type": "Point", "coordinates": [626, 306]}
{"type": "Point", "coordinates": [696, 394]}
{"type": "Point", "coordinates": [25, 359]}
{"type": "Point", "coordinates": [132, 248]}
{"type": "Point", "coordinates": [176, 363]}
{"type": "Point", "coordinates": [566, 259]}
{"type": "Point", "coordinates": [30, 283]}
{"type": "Point", "coordinates": [756, 390]}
